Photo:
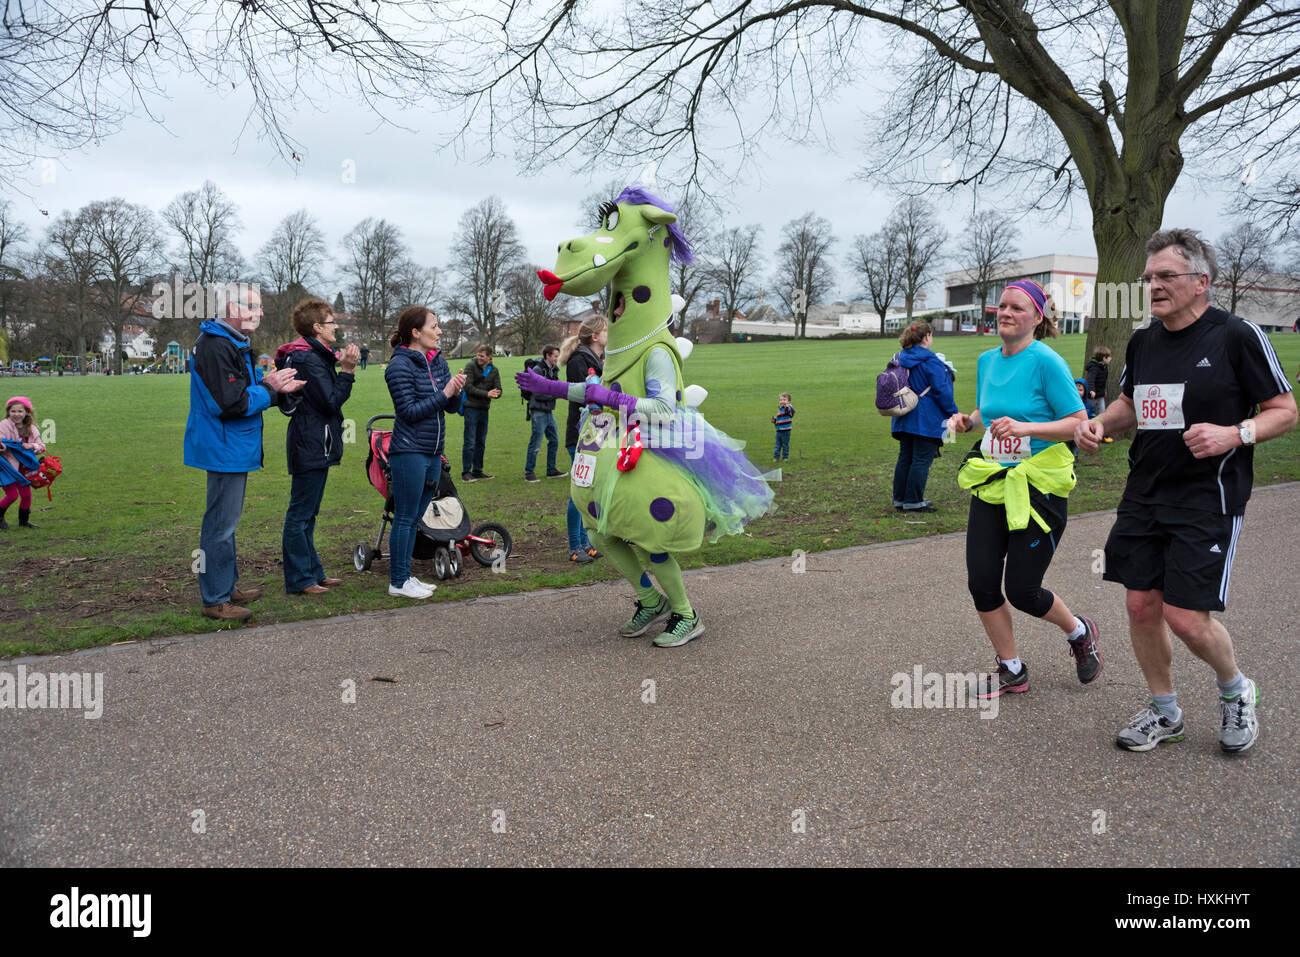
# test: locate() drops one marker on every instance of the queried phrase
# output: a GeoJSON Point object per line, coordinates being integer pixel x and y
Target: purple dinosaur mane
{"type": "Point", "coordinates": [680, 247]}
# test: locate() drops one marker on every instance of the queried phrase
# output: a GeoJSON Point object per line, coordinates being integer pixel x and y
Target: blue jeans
{"type": "Point", "coordinates": [471, 453]}
{"type": "Point", "coordinates": [578, 541]}
{"type": "Point", "coordinates": [782, 449]}
{"type": "Point", "coordinates": [302, 566]}
{"type": "Point", "coordinates": [415, 478]}
{"type": "Point", "coordinates": [543, 424]}
{"type": "Point", "coordinates": [915, 455]}
{"type": "Point", "coordinates": [218, 564]}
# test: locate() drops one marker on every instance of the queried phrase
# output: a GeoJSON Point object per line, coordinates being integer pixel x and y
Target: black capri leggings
{"type": "Point", "coordinates": [1026, 554]}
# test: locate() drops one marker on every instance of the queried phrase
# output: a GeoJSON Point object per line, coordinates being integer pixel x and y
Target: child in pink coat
{"type": "Point", "coordinates": [19, 424]}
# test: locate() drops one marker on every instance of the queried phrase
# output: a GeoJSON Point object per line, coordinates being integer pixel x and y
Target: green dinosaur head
{"type": "Point", "coordinates": [630, 253]}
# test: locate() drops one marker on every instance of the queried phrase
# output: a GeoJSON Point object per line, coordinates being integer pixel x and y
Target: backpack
{"type": "Point", "coordinates": [530, 365]}
{"type": "Point", "coordinates": [893, 395]}
{"type": "Point", "coordinates": [43, 477]}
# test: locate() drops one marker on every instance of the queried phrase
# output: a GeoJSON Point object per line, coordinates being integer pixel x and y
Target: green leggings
{"type": "Point", "coordinates": [633, 562]}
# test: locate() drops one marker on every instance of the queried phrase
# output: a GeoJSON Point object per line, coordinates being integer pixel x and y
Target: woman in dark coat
{"type": "Point", "coordinates": [581, 355]}
{"type": "Point", "coordinates": [422, 387]}
{"type": "Point", "coordinates": [315, 438]}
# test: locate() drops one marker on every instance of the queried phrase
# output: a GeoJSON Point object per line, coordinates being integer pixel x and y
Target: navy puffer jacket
{"type": "Point", "coordinates": [416, 385]}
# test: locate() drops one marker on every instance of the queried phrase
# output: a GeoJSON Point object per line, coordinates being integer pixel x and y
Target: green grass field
{"type": "Point", "coordinates": [111, 561]}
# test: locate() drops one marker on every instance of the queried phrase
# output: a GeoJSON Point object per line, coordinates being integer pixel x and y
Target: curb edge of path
{"type": "Point", "coordinates": [290, 627]}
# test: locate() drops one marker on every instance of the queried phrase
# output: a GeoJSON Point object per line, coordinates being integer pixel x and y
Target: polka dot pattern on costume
{"type": "Point", "coordinates": [659, 558]}
{"type": "Point", "coordinates": [641, 293]}
{"type": "Point", "coordinates": [661, 509]}
{"type": "Point", "coordinates": [593, 510]}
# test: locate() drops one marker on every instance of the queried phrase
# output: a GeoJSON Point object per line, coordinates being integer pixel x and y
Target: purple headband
{"type": "Point", "coordinates": [1033, 291]}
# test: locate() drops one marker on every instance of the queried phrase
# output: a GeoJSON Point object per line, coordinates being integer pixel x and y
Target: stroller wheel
{"type": "Point", "coordinates": [483, 554]}
{"type": "Point", "coordinates": [361, 558]}
{"type": "Point", "coordinates": [441, 563]}
{"type": "Point", "coordinates": [455, 563]}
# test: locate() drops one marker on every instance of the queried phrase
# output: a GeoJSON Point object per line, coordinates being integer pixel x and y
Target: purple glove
{"type": "Point", "coordinates": [608, 397]}
{"type": "Point", "coordinates": [540, 385]}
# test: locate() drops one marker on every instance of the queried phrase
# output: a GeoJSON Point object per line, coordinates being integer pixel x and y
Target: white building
{"type": "Point", "coordinates": [1273, 304]}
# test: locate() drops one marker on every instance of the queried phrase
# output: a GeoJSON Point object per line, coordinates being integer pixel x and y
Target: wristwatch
{"type": "Point", "coordinates": [1247, 430]}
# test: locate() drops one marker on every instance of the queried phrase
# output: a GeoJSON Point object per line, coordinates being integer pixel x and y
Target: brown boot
{"type": "Point", "coordinates": [244, 595]}
{"type": "Point", "coordinates": [330, 582]}
{"type": "Point", "coordinates": [226, 612]}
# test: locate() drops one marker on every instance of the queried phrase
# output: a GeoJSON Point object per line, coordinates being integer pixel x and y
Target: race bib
{"type": "Point", "coordinates": [584, 470]}
{"type": "Point", "coordinates": [1159, 406]}
{"type": "Point", "coordinates": [1007, 451]}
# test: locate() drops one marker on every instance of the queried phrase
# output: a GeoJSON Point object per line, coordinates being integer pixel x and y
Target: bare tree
{"type": "Point", "coordinates": [733, 267]}
{"type": "Point", "coordinates": [985, 246]}
{"type": "Point", "coordinates": [689, 280]}
{"type": "Point", "coordinates": [414, 285]}
{"type": "Point", "coordinates": [531, 320]}
{"type": "Point", "coordinates": [72, 70]}
{"type": "Point", "coordinates": [1045, 98]}
{"type": "Point", "coordinates": [486, 247]}
{"type": "Point", "coordinates": [920, 238]}
{"type": "Point", "coordinates": [205, 221]}
{"type": "Point", "coordinates": [128, 256]}
{"type": "Point", "coordinates": [1244, 260]}
{"type": "Point", "coordinates": [374, 258]}
{"type": "Point", "coordinates": [877, 262]}
{"type": "Point", "coordinates": [13, 235]}
{"type": "Point", "coordinates": [295, 254]}
{"type": "Point", "coordinates": [804, 273]}
{"type": "Point", "coordinates": [68, 264]}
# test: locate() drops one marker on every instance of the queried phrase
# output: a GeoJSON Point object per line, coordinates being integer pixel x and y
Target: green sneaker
{"type": "Point", "coordinates": [680, 630]}
{"type": "Point", "coordinates": [645, 616]}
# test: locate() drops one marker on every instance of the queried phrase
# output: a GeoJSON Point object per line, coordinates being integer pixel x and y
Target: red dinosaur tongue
{"type": "Point", "coordinates": [551, 283]}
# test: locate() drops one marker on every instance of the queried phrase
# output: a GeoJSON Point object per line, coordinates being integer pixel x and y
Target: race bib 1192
{"type": "Point", "coordinates": [1159, 406]}
{"type": "Point", "coordinates": [1007, 451]}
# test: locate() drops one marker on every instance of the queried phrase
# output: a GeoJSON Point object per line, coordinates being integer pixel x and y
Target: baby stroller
{"type": "Point", "coordinates": [443, 531]}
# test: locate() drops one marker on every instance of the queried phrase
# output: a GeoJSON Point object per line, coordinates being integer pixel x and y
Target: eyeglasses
{"type": "Point", "coordinates": [1164, 278]}
{"type": "Point", "coordinates": [327, 322]}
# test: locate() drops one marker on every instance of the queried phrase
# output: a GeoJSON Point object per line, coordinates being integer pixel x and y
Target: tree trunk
{"type": "Point", "coordinates": [81, 355]}
{"type": "Point", "coordinates": [1121, 235]}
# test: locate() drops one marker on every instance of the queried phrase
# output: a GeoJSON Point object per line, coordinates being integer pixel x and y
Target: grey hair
{"type": "Point", "coordinates": [1198, 253]}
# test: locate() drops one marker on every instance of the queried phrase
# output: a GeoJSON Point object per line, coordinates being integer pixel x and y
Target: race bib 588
{"type": "Point", "coordinates": [1159, 406]}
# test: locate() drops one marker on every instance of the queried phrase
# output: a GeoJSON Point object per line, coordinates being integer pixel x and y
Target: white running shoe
{"type": "Point", "coordinates": [429, 585]}
{"type": "Point", "coordinates": [410, 589]}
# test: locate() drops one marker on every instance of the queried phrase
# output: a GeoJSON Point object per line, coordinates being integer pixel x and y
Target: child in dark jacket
{"type": "Point", "coordinates": [1095, 376]}
{"type": "Point", "coordinates": [784, 422]}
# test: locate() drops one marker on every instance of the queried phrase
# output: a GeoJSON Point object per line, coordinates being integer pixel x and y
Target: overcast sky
{"type": "Point", "coordinates": [405, 177]}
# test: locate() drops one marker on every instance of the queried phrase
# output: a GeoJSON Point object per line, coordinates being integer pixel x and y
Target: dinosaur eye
{"type": "Point", "coordinates": [609, 216]}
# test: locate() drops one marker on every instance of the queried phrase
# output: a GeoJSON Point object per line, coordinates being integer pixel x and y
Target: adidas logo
{"type": "Point", "coordinates": [1203, 364]}
{"type": "Point", "coordinates": [1214, 550]}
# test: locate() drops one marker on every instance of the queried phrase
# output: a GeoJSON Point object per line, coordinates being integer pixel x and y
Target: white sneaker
{"type": "Point", "coordinates": [410, 589]}
{"type": "Point", "coordinates": [429, 585]}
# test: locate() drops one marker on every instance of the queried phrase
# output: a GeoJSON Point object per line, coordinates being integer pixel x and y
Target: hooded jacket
{"type": "Point", "coordinates": [315, 436]}
{"type": "Point", "coordinates": [415, 383]}
{"type": "Point", "coordinates": [575, 370]}
{"type": "Point", "coordinates": [224, 429]}
{"type": "Point", "coordinates": [925, 370]}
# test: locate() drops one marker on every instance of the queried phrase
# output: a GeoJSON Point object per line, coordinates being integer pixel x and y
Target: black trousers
{"type": "Point", "coordinates": [1025, 555]}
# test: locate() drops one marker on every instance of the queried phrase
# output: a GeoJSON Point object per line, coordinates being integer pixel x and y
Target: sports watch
{"type": "Point", "coordinates": [1247, 430]}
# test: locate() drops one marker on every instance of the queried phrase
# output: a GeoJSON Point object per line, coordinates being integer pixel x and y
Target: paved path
{"type": "Point", "coordinates": [528, 712]}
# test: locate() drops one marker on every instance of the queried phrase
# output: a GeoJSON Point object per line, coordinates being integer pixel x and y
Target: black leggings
{"type": "Point", "coordinates": [1026, 553]}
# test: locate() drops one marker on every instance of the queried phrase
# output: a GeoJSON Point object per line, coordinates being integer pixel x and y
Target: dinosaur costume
{"type": "Point", "coordinates": [693, 483]}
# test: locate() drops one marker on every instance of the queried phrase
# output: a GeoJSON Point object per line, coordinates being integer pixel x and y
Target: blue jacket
{"type": "Point", "coordinates": [224, 430]}
{"type": "Point", "coordinates": [416, 385]}
{"type": "Point", "coordinates": [926, 370]}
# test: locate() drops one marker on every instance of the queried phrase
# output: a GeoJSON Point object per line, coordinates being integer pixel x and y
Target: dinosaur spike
{"type": "Point", "coordinates": [694, 395]}
{"type": "Point", "coordinates": [684, 348]}
{"type": "Point", "coordinates": [678, 303]}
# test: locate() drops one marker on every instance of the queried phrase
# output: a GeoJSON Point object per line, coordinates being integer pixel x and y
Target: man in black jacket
{"type": "Point", "coordinates": [540, 412]}
{"type": "Point", "coordinates": [315, 438]}
{"type": "Point", "coordinates": [482, 385]}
